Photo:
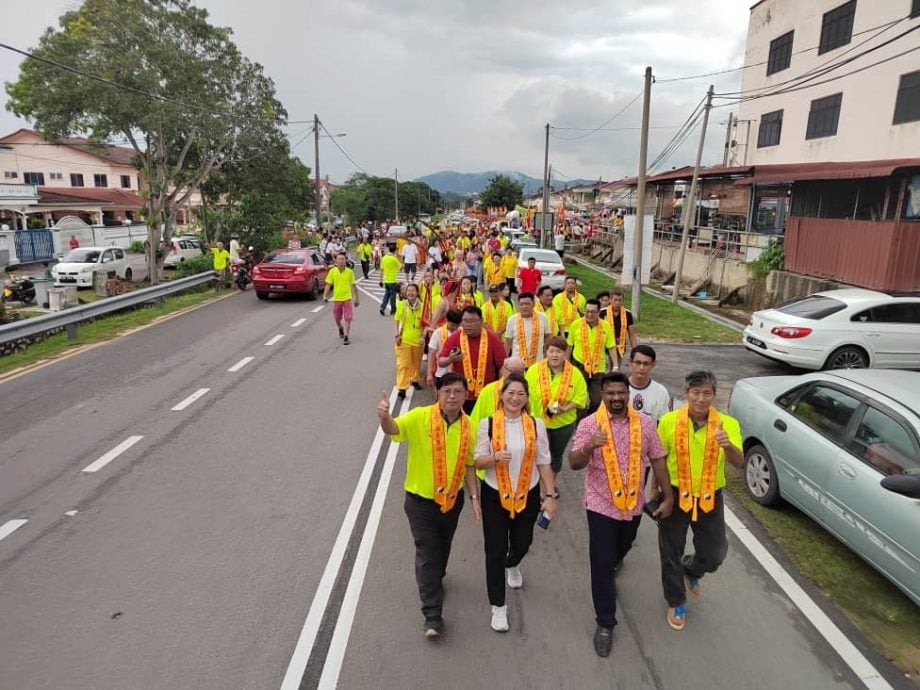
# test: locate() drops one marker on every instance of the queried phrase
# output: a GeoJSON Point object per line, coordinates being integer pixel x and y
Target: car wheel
{"type": "Point", "coordinates": [128, 274]}
{"type": "Point", "coordinates": [760, 476]}
{"type": "Point", "coordinates": [262, 295]}
{"type": "Point", "coordinates": [847, 357]}
{"type": "Point", "coordinates": [313, 294]}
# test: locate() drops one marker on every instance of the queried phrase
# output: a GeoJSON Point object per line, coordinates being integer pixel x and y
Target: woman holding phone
{"type": "Point", "coordinates": [513, 449]}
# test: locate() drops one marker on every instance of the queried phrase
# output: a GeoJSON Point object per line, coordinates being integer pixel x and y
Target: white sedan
{"type": "Point", "coordinates": [850, 328]}
{"type": "Point", "coordinates": [78, 267]}
{"type": "Point", "coordinates": [182, 248]}
{"type": "Point", "coordinates": [549, 263]}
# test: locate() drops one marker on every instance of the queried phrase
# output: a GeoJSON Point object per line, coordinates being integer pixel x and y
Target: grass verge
{"type": "Point", "coordinates": [659, 320]}
{"type": "Point", "coordinates": [103, 328]}
{"type": "Point", "coordinates": [888, 619]}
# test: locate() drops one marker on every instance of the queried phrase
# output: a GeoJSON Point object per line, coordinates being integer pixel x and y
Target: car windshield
{"type": "Point", "coordinates": [286, 258]}
{"type": "Point", "coordinates": [82, 256]}
{"type": "Point", "coordinates": [543, 256]}
{"type": "Point", "coordinates": [814, 307]}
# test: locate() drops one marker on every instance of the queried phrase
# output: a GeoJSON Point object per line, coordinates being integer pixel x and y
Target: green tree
{"type": "Point", "coordinates": [502, 191]}
{"type": "Point", "coordinates": [364, 197]}
{"type": "Point", "coordinates": [190, 103]}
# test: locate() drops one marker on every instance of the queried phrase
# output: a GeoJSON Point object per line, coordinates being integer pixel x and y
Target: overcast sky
{"type": "Point", "coordinates": [468, 85]}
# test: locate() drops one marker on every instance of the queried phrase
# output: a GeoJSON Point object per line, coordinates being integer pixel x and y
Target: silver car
{"type": "Point", "coordinates": [844, 447]}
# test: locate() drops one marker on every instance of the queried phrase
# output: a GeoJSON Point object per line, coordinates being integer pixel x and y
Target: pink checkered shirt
{"type": "Point", "coordinates": [597, 488]}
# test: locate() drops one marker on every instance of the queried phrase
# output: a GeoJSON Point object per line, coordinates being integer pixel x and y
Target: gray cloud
{"type": "Point", "coordinates": [421, 85]}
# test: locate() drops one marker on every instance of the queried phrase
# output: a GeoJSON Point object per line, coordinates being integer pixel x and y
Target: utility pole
{"type": "Point", "coordinates": [690, 201]}
{"type": "Point", "coordinates": [544, 239]}
{"type": "Point", "coordinates": [640, 202]}
{"type": "Point", "coordinates": [728, 141]}
{"type": "Point", "coordinates": [319, 196]}
{"type": "Point", "coordinates": [396, 183]}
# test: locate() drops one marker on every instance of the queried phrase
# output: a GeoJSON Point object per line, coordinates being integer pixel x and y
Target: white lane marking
{"type": "Point", "coordinates": [336, 655]}
{"type": "Point", "coordinates": [70, 513]}
{"type": "Point", "coordinates": [835, 637]}
{"type": "Point", "coordinates": [370, 294]}
{"type": "Point", "coordinates": [307, 639]}
{"type": "Point", "coordinates": [112, 454]}
{"type": "Point", "coordinates": [275, 339]}
{"type": "Point", "coordinates": [298, 322]}
{"type": "Point", "coordinates": [190, 399]}
{"type": "Point", "coordinates": [316, 309]}
{"type": "Point", "coordinates": [239, 365]}
{"type": "Point", "coordinates": [9, 527]}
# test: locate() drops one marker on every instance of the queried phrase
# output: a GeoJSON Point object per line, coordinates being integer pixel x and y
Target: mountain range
{"type": "Point", "coordinates": [451, 182]}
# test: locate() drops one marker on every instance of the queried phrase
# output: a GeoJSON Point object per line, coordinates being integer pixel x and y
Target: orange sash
{"type": "Point", "coordinates": [621, 336]}
{"type": "Point", "coordinates": [490, 311]}
{"type": "Point", "coordinates": [514, 502]}
{"type": "Point", "coordinates": [551, 317]}
{"type": "Point", "coordinates": [475, 384]}
{"type": "Point", "coordinates": [426, 304]}
{"type": "Point", "coordinates": [546, 390]}
{"type": "Point", "coordinates": [528, 352]}
{"type": "Point", "coordinates": [623, 499]}
{"type": "Point", "coordinates": [569, 310]}
{"type": "Point", "coordinates": [592, 360]}
{"type": "Point", "coordinates": [705, 498]}
{"type": "Point", "coordinates": [446, 495]}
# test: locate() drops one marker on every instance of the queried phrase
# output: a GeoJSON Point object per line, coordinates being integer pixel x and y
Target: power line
{"type": "Point", "coordinates": [147, 94]}
{"type": "Point", "coordinates": [803, 87]}
{"type": "Point", "coordinates": [605, 123]}
{"type": "Point", "coordinates": [764, 62]}
{"type": "Point", "coordinates": [679, 137]}
{"type": "Point", "coordinates": [343, 152]}
{"type": "Point", "coordinates": [611, 129]}
{"type": "Point", "coordinates": [820, 71]}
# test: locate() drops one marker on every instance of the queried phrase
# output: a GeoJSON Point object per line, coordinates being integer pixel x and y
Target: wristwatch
{"type": "Point", "coordinates": [554, 495]}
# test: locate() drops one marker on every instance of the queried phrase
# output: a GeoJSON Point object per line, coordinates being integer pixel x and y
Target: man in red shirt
{"type": "Point", "coordinates": [529, 278]}
{"type": "Point", "coordinates": [74, 243]}
{"type": "Point", "coordinates": [462, 352]}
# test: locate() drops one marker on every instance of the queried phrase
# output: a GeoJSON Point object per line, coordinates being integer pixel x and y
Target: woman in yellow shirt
{"type": "Point", "coordinates": [510, 267]}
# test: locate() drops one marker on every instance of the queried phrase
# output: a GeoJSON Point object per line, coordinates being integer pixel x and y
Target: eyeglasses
{"type": "Point", "coordinates": [452, 392]}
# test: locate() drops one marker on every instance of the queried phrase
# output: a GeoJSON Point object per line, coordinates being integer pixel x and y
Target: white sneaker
{"type": "Point", "coordinates": [500, 618]}
{"type": "Point", "coordinates": [515, 579]}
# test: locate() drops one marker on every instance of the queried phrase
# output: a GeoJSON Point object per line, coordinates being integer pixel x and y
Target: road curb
{"type": "Point", "coordinates": [67, 354]}
{"type": "Point", "coordinates": [721, 320]}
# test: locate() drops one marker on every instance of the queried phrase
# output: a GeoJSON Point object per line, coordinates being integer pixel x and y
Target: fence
{"type": "Point", "coordinates": [34, 245]}
{"type": "Point", "coordinates": [722, 242]}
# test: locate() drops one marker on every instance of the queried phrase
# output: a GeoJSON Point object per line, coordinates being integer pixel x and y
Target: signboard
{"type": "Point", "coordinates": [629, 229]}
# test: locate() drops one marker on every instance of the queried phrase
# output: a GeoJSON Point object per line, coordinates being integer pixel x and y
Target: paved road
{"type": "Point", "coordinates": [193, 556]}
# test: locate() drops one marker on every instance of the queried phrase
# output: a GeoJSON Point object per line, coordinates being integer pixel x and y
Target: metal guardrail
{"type": "Point", "coordinates": [70, 318]}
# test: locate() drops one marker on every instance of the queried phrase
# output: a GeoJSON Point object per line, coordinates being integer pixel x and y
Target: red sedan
{"type": "Point", "coordinates": [301, 271]}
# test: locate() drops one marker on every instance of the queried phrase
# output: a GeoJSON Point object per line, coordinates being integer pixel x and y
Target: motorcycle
{"type": "Point", "coordinates": [18, 290]}
{"type": "Point", "coordinates": [241, 272]}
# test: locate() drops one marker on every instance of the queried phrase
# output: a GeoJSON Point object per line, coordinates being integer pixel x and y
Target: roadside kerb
{"type": "Point", "coordinates": [728, 323]}
{"type": "Point", "coordinates": [70, 318]}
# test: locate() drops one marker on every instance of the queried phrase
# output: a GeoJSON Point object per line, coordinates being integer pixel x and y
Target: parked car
{"type": "Point", "coordinates": [550, 264]}
{"type": "Point", "coordinates": [844, 448]}
{"type": "Point", "coordinates": [850, 328]}
{"type": "Point", "coordinates": [290, 271]}
{"type": "Point", "coordinates": [520, 243]}
{"type": "Point", "coordinates": [78, 267]}
{"type": "Point", "coordinates": [182, 248]}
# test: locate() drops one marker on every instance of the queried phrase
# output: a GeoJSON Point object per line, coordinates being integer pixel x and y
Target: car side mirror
{"type": "Point", "coordinates": [904, 484]}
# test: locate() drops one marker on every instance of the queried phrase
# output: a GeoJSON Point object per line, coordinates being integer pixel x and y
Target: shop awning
{"type": "Point", "coordinates": [793, 172]}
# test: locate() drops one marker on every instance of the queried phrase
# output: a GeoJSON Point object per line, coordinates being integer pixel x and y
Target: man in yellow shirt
{"type": "Point", "coordinates": [590, 341]}
{"type": "Point", "coordinates": [441, 444]}
{"type": "Point", "coordinates": [365, 252]}
{"type": "Point", "coordinates": [569, 304]}
{"type": "Point", "coordinates": [487, 402]}
{"type": "Point", "coordinates": [389, 280]}
{"type": "Point", "coordinates": [341, 280]}
{"type": "Point", "coordinates": [545, 305]}
{"type": "Point", "coordinates": [510, 268]}
{"type": "Point", "coordinates": [698, 440]}
{"type": "Point", "coordinates": [410, 339]}
{"type": "Point", "coordinates": [220, 258]}
{"type": "Point", "coordinates": [496, 312]}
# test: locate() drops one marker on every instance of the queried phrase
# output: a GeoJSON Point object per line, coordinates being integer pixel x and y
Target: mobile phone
{"type": "Point", "coordinates": [549, 412]}
{"type": "Point", "coordinates": [544, 520]}
{"type": "Point", "coordinates": [455, 351]}
{"type": "Point", "coordinates": [651, 506]}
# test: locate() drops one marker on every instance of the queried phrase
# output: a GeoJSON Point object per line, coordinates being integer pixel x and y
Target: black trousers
{"type": "Point", "coordinates": [609, 541]}
{"type": "Point", "coordinates": [511, 285]}
{"type": "Point", "coordinates": [506, 541]}
{"type": "Point", "coordinates": [710, 547]}
{"type": "Point", "coordinates": [390, 290]}
{"type": "Point", "coordinates": [558, 441]}
{"type": "Point", "coordinates": [433, 533]}
{"type": "Point", "coordinates": [365, 268]}
{"type": "Point", "coordinates": [594, 390]}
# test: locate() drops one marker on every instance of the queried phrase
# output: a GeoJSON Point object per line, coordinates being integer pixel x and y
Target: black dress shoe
{"type": "Point", "coordinates": [417, 386]}
{"type": "Point", "coordinates": [401, 393]}
{"type": "Point", "coordinates": [603, 641]}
